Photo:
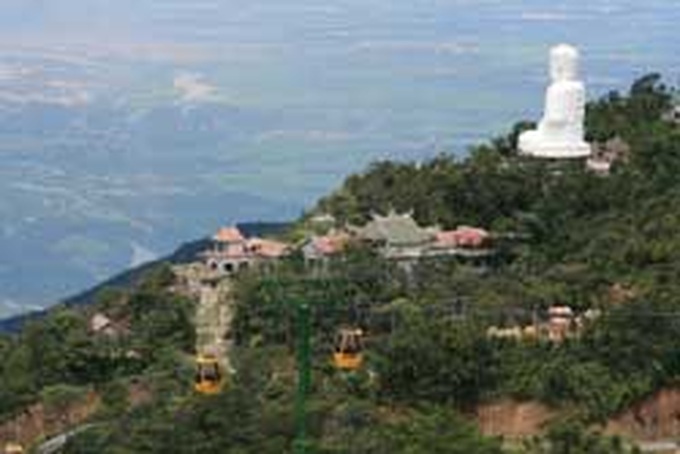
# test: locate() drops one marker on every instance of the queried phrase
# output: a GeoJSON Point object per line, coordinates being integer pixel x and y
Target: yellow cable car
{"type": "Point", "coordinates": [348, 353]}
{"type": "Point", "coordinates": [209, 379]}
{"type": "Point", "coordinates": [13, 448]}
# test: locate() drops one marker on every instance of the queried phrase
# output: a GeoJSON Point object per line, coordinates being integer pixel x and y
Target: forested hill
{"type": "Point", "coordinates": [495, 188]}
{"type": "Point", "coordinates": [608, 243]}
{"type": "Point", "coordinates": [587, 232]}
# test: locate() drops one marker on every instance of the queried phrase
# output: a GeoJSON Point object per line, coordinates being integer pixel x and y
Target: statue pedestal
{"type": "Point", "coordinates": [531, 144]}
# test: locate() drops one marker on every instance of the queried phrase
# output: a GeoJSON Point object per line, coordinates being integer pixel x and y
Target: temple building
{"type": "Point", "coordinates": [464, 241]}
{"type": "Point", "coordinates": [231, 251]}
{"type": "Point", "coordinates": [606, 154]}
{"type": "Point", "coordinates": [320, 248]}
{"type": "Point", "coordinates": [396, 236]}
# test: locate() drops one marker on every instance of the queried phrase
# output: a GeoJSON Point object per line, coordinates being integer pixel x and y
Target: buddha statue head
{"type": "Point", "coordinates": [563, 63]}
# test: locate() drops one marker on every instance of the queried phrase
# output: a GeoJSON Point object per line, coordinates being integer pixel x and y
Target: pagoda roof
{"type": "Point", "coordinates": [395, 229]}
{"type": "Point", "coordinates": [229, 235]}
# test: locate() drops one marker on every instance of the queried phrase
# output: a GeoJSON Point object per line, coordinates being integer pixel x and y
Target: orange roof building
{"type": "Point", "coordinates": [325, 246]}
{"type": "Point", "coordinates": [232, 251]}
{"type": "Point", "coordinates": [229, 235]}
{"type": "Point", "coordinates": [267, 248]}
{"type": "Point", "coordinates": [463, 237]}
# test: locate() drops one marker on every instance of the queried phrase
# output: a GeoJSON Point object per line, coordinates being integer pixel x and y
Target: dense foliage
{"type": "Point", "coordinates": [587, 236]}
{"type": "Point", "coordinates": [61, 348]}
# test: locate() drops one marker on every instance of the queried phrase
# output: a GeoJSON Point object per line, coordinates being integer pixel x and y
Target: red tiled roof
{"type": "Point", "coordinates": [266, 248]}
{"type": "Point", "coordinates": [463, 236]}
{"type": "Point", "coordinates": [229, 235]}
{"type": "Point", "coordinates": [330, 244]}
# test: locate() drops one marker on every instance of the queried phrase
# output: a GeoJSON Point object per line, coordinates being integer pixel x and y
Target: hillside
{"type": "Point", "coordinates": [186, 253]}
{"type": "Point", "coordinates": [449, 341]}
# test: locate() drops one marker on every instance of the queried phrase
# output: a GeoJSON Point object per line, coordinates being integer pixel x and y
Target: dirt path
{"type": "Point", "coordinates": [213, 321]}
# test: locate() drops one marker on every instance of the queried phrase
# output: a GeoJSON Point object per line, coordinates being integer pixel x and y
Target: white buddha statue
{"type": "Point", "coordinates": [560, 132]}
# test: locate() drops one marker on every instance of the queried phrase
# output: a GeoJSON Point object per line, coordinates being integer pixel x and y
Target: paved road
{"type": "Point", "coordinates": [659, 446]}
{"type": "Point", "coordinates": [55, 444]}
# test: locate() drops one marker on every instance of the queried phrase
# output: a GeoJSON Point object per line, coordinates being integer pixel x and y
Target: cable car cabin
{"type": "Point", "coordinates": [209, 378]}
{"type": "Point", "coordinates": [348, 353]}
{"type": "Point", "coordinates": [13, 448]}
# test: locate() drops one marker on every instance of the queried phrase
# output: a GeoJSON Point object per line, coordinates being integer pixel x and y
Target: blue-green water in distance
{"type": "Point", "coordinates": [129, 126]}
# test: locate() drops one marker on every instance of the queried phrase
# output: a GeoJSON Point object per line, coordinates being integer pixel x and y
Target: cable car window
{"type": "Point", "coordinates": [211, 373]}
{"type": "Point", "coordinates": [352, 345]}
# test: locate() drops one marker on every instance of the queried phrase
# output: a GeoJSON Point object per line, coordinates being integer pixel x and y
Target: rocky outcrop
{"type": "Point", "coordinates": [38, 421]}
{"type": "Point", "coordinates": [512, 419]}
{"type": "Point", "coordinates": [654, 418]}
